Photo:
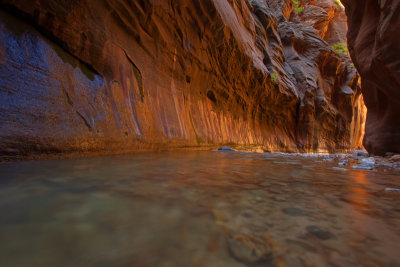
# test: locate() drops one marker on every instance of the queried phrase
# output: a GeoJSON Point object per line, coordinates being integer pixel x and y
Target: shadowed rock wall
{"type": "Point", "coordinates": [374, 43]}
{"type": "Point", "coordinates": [125, 75]}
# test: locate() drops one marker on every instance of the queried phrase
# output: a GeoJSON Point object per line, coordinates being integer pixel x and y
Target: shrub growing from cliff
{"type": "Point", "coordinates": [339, 3]}
{"type": "Point", "coordinates": [298, 8]}
{"type": "Point", "coordinates": [341, 48]}
{"type": "Point", "coordinates": [274, 78]}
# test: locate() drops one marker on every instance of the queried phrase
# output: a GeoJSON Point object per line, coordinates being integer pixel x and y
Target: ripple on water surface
{"type": "Point", "coordinates": [198, 209]}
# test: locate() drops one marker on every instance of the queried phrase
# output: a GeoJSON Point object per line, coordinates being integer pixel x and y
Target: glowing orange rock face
{"type": "Point", "coordinates": [121, 76]}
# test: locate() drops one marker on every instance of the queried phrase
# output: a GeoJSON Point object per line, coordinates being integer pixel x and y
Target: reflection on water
{"type": "Point", "coordinates": [197, 209]}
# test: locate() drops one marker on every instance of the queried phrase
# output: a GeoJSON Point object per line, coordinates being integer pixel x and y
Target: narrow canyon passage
{"type": "Point", "coordinates": [199, 133]}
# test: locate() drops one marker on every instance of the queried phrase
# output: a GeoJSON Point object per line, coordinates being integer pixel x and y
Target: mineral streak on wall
{"type": "Point", "coordinates": [95, 76]}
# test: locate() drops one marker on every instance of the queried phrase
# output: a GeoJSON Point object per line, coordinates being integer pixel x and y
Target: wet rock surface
{"type": "Point", "coordinates": [391, 160]}
{"type": "Point", "coordinates": [199, 209]}
{"type": "Point", "coordinates": [121, 76]}
{"type": "Point", "coordinates": [319, 233]}
{"type": "Point", "coordinates": [225, 148]}
{"type": "Point", "coordinates": [292, 211]}
{"type": "Point", "coordinates": [365, 163]}
{"type": "Point", "coordinates": [374, 47]}
{"type": "Point", "coordinates": [251, 250]}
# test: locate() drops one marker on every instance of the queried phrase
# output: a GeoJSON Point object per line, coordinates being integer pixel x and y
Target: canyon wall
{"type": "Point", "coordinates": [116, 76]}
{"type": "Point", "coordinates": [374, 44]}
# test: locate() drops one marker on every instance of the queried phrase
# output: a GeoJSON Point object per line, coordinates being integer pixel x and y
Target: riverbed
{"type": "Point", "coordinates": [199, 208]}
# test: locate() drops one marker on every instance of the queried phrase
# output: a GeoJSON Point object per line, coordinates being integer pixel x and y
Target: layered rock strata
{"type": "Point", "coordinates": [94, 76]}
{"type": "Point", "coordinates": [374, 45]}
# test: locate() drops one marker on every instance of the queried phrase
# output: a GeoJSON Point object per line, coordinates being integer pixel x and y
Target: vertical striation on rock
{"type": "Point", "coordinates": [374, 42]}
{"type": "Point", "coordinates": [120, 76]}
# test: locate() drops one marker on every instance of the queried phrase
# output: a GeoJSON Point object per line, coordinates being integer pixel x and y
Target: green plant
{"type": "Point", "coordinates": [339, 3]}
{"type": "Point", "coordinates": [274, 78]}
{"type": "Point", "coordinates": [341, 48]}
{"type": "Point", "coordinates": [298, 8]}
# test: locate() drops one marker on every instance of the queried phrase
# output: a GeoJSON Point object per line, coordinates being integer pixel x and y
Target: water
{"type": "Point", "coordinates": [198, 209]}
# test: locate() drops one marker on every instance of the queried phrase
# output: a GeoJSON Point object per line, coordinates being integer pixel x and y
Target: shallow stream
{"type": "Point", "coordinates": [198, 209]}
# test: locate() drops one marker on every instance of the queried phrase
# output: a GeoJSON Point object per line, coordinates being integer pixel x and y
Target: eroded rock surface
{"type": "Point", "coordinates": [120, 76]}
{"type": "Point", "coordinates": [374, 42]}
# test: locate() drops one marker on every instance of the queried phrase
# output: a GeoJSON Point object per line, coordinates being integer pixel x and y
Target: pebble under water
{"type": "Point", "coordinates": [198, 209]}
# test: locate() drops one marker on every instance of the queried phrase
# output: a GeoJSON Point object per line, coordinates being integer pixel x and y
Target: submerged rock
{"type": "Point", "coordinates": [368, 161]}
{"type": "Point", "coordinates": [249, 249]}
{"type": "Point", "coordinates": [366, 164]}
{"type": "Point", "coordinates": [395, 158]}
{"type": "Point", "coordinates": [363, 167]}
{"type": "Point", "coordinates": [362, 154]}
{"type": "Point", "coordinates": [392, 189]}
{"type": "Point", "coordinates": [225, 148]}
{"type": "Point", "coordinates": [293, 211]}
{"type": "Point", "coordinates": [319, 232]}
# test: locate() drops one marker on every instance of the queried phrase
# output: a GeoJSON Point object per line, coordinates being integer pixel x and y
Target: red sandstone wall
{"type": "Point", "coordinates": [121, 76]}
{"type": "Point", "coordinates": [374, 42]}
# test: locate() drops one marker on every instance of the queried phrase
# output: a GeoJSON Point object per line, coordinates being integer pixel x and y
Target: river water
{"type": "Point", "coordinates": [198, 209]}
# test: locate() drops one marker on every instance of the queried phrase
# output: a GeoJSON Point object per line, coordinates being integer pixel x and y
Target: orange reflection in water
{"type": "Point", "coordinates": [358, 193]}
{"type": "Point", "coordinates": [359, 177]}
